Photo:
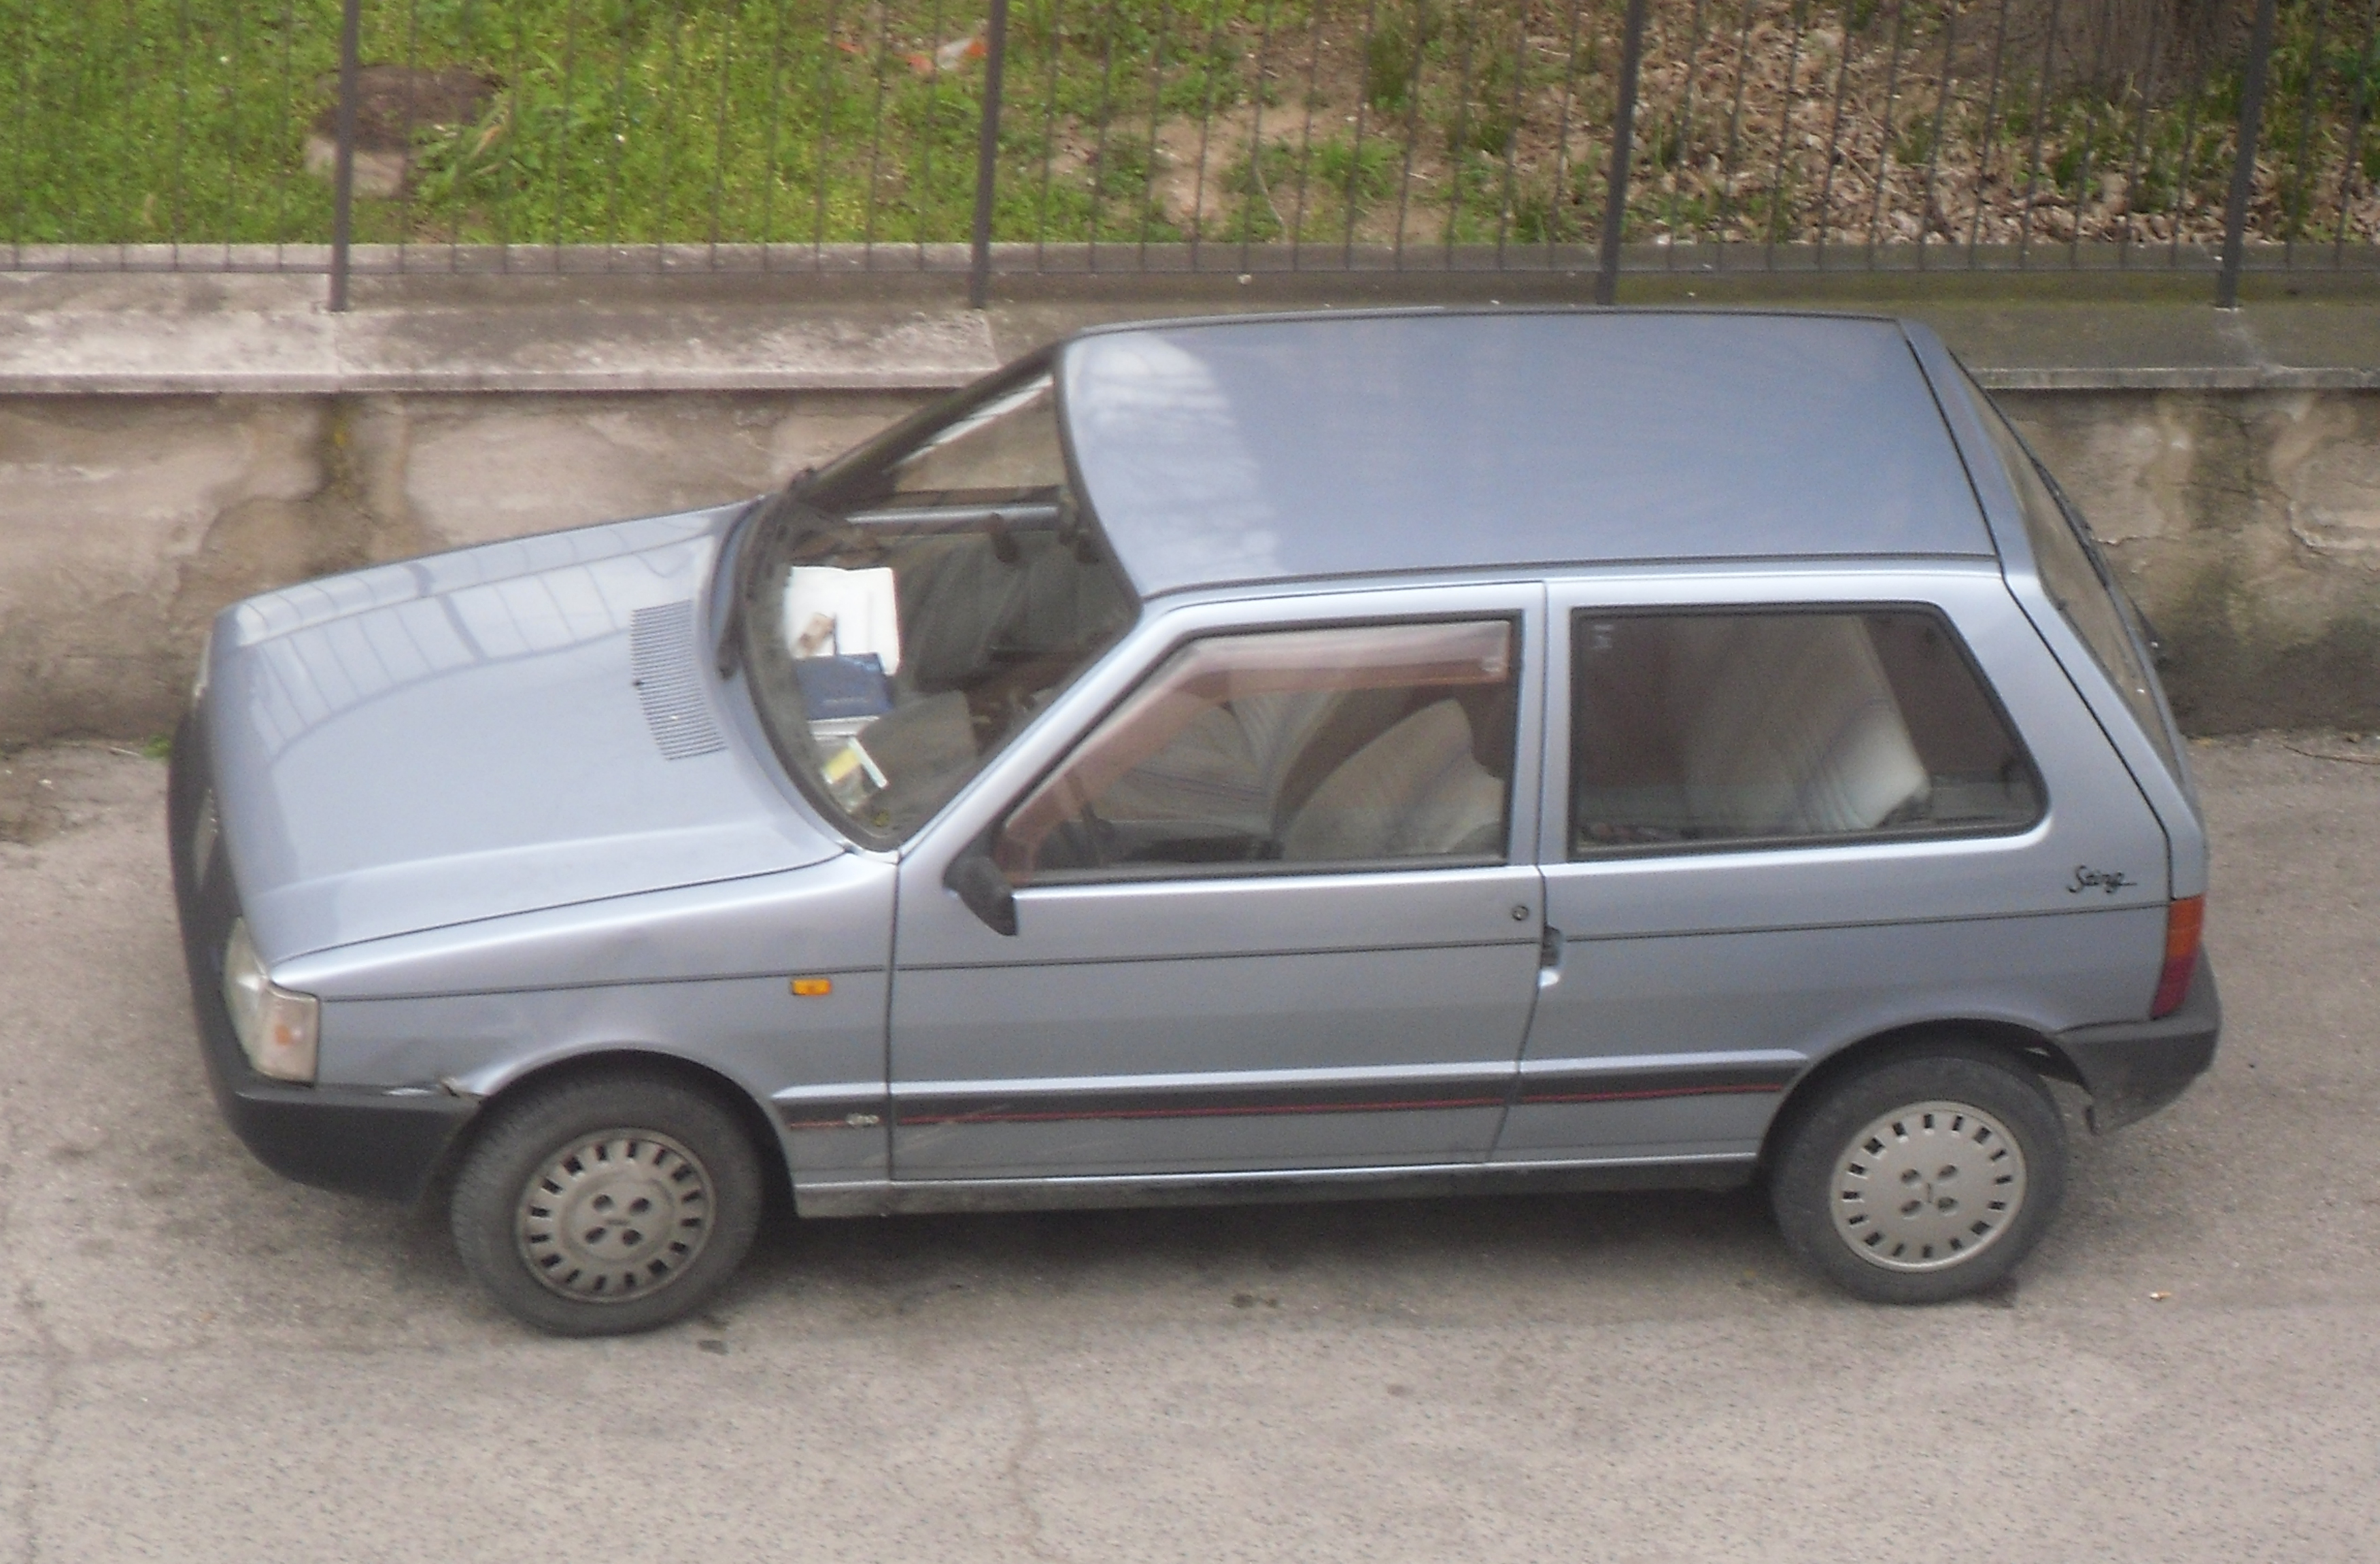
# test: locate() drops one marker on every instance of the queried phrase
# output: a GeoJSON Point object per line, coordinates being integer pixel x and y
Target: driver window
{"type": "Point", "coordinates": [1365, 746]}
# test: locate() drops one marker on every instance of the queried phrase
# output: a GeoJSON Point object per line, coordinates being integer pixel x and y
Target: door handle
{"type": "Point", "coordinates": [1550, 957]}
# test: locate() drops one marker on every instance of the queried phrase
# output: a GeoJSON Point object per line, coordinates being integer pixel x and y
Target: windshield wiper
{"type": "Point", "coordinates": [731, 636]}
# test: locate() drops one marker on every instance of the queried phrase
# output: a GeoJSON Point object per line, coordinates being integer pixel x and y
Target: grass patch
{"type": "Point", "coordinates": [632, 122]}
{"type": "Point", "coordinates": [606, 122]}
{"type": "Point", "coordinates": [1314, 193]}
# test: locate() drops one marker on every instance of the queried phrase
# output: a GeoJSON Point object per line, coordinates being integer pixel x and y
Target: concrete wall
{"type": "Point", "coordinates": [127, 521]}
{"type": "Point", "coordinates": [2248, 520]}
{"type": "Point", "coordinates": [2247, 526]}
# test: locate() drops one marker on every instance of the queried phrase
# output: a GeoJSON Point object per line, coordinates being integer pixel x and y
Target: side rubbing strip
{"type": "Point", "coordinates": [1584, 1083]}
{"type": "Point", "coordinates": [1044, 1108]}
{"type": "Point", "coordinates": [832, 1113]}
{"type": "Point", "coordinates": [668, 680]}
{"type": "Point", "coordinates": [1716, 1078]}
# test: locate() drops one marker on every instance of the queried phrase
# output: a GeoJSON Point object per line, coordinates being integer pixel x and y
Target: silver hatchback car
{"type": "Point", "coordinates": [1349, 754]}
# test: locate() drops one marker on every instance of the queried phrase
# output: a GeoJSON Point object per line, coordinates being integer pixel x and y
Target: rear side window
{"type": "Point", "coordinates": [2077, 580]}
{"type": "Point", "coordinates": [1774, 725]}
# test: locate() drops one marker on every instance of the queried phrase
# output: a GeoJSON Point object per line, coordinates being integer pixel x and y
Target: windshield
{"type": "Point", "coordinates": [906, 613]}
{"type": "Point", "coordinates": [2078, 580]}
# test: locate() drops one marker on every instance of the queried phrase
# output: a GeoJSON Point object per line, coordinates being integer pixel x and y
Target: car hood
{"type": "Point", "coordinates": [520, 726]}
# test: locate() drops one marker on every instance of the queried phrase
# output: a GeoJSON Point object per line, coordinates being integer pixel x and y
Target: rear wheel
{"type": "Point", "coordinates": [607, 1204]}
{"type": "Point", "coordinates": [1924, 1177]}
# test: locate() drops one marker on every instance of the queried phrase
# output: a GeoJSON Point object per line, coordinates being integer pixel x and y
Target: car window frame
{"type": "Point", "coordinates": [873, 451]}
{"type": "Point", "coordinates": [1517, 850]}
{"type": "Point", "coordinates": [1567, 694]}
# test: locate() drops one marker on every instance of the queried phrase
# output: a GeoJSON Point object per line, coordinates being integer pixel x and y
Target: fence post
{"type": "Point", "coordinates": [343, 176]}
{"type": "Point", "coordinates": [987, 155]}
{"type": "Point", "coordinates": [1623, 135]}
{"type": "Point", "coordinates": [2243, 172]}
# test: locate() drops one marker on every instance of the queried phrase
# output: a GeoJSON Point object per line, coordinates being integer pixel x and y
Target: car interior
{"type": "Point", "coordinates": [1712, 727]}
{"type": "Point", "coordinates": [1297, 776]}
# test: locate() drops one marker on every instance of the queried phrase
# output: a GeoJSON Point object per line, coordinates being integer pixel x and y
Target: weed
{"type": "Point", "coordinates": [1489, 120]}
{"type": "Point", "coordinates": [1663, 145]}
{"type": "Point", "coordinates": [1536, 219]}
{"type": "Point", "coordinates": [1392, 56]}
{"type": "Point", "coordinates": [1329, 183]}
{"type": "Point", "coordinates": [1361, 180]}
{"type": "Point", "coordinates": [1544, 214]}
{"type": "Point", "coordinates": [2066, 166]}
{"type": "Point", "coordinates": [1913, 148]}
{"type": "Point", "coordinates": [1121, 169]}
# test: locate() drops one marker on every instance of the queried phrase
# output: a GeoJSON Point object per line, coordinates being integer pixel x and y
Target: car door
{"type": "Point", "coordinates": [1273, 903]}
{"type": "Point", "coordinates": [1787, 814]}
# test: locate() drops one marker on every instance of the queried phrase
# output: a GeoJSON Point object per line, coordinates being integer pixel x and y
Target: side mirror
{"type": "Point", "coordinates": [974, 879]}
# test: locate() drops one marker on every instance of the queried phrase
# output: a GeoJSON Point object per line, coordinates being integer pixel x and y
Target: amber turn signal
{"type": "Point", "coordinates": [2184, 922]}
{"type": "Point", "coordinates": [811, 988]}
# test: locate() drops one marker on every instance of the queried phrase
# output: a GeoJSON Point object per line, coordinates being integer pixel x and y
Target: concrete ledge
{"type": "Point", "coordinates": [150, 334]}
{"type": "Point", "coordinates": [2180, 378]}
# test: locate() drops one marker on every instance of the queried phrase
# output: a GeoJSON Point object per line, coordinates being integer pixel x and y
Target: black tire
{"type": "Point", "coordinates": [1969, 1145]}
{"type": "Point", "coordinates": [648, 1193]}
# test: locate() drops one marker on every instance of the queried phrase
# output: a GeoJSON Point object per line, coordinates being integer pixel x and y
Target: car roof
{"type": "Point", "coordinates": [1286, 447]}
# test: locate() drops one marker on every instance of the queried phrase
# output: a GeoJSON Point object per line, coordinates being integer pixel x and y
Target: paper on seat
{"type": "Point", "coordinates": [830, 611]}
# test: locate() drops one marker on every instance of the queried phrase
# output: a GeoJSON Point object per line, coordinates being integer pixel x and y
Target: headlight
{"type": "Point", "coordinates": [276, 1028]}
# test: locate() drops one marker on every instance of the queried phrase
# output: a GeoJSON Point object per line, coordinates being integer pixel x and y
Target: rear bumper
{"type": "Point", "coordinates": [2133, 1068]}
{"type": "Point", "coordinates": [357, 1140]}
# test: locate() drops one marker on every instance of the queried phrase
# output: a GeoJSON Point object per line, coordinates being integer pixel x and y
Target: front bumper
{"type": "Point", "coordinates": [2133, 1068]}
{"type": "Point", "coordinates": [358, 1140]}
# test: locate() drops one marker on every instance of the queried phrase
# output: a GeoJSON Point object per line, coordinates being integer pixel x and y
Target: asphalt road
{"type": "Point", "coordinates": [200, 1362]}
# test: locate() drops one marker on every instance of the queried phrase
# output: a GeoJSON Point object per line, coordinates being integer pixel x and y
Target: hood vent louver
{"type": "Point", "coordinates": [669, 680]}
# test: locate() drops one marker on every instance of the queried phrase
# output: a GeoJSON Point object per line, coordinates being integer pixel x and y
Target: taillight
{"type": "Point", "coordinates": [2184, 921]}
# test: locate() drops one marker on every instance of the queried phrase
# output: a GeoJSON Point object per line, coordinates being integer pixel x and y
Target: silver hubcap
{"type": "Point", "coordinates": [615, 1215]}
{"type": "Point", "coordinates": [1928, 1186]}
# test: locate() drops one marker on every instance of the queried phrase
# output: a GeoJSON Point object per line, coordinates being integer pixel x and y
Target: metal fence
{"type": "Point", "coordinates": [1054, 136]}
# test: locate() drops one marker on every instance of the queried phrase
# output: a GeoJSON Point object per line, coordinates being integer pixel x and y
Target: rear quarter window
{"type": "Point", "coordinates": [1771, 726]}
{"type": "Point", "coordinates": [2078, 581]}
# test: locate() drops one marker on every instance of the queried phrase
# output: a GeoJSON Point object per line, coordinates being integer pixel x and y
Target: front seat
{"type": "Point", "coordinates": [1793, 730]}
{"type": "Point", "coordinates": [1415, 791]}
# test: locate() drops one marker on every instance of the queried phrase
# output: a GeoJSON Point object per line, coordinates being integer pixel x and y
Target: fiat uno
{"type": "Point", "coordinates": [1342, 754]}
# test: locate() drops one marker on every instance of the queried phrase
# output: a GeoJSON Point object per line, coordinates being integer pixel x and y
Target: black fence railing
{"type": "Point", "coordinates": [1053, 136]}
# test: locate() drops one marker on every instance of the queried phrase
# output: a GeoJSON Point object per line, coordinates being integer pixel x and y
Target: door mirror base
{"type": "Point", "coordinates": [976, 880]}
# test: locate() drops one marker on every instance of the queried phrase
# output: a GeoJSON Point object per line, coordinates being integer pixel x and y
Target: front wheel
{"type": "Point", "coordinates": [1924, 1177]}
{"type": "Point", "coordinates": [607, 1204]}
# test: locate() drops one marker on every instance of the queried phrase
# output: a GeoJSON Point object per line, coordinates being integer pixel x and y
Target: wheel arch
{"type": "Point", "coordinates": [2020, 1043]}
{"type": "Point", "coordinates": [716, 1084]}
